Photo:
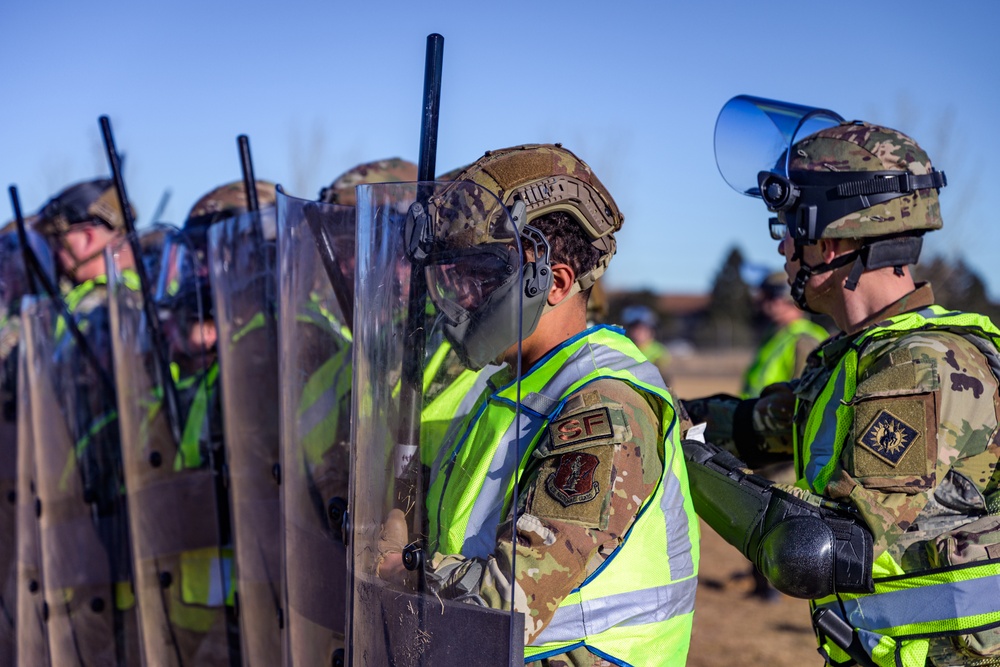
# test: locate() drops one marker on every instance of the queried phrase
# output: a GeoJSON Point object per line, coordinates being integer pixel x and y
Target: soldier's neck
{"type": "Point", "coordinates": [875, 292]}
{"type": "Point", "coordinates": [554, 328]}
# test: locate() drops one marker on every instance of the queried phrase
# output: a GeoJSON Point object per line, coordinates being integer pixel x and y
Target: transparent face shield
{"type": "Point", "coordinates": [754, 135]}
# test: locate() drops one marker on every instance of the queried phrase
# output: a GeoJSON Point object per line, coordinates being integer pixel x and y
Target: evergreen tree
{"type": "Point", "coordinates": [728, 320]}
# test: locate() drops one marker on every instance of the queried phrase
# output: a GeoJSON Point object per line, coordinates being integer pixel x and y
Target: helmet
{"type": "Point", "coordinates": [393, 170]}
{"type": "Point", "coordinates": [844, 179]}
{"type": "Point", "coordinates": [523, 183]}
{"type": "Point", "coordinates": [88, 202]}
{"type": "Point", "coordinates": [774, 286]}
{"type": "Point", "coordinates": [633, 315]}
{"type": "Point", "coordinates": [226, 201]}
{"type": "Point", "coordinates": [855, 180]}
{"type": "Point", "coordinates": [548, 178]}
{"type": "Point", "coordinates": [860, 181]}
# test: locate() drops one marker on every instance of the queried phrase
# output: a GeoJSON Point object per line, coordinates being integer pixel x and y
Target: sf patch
{"type": "Point", "coordinates": [583, 427]}
{"type": "Point", "coordinates": [573, 481]}
{"type": "Point", "coordinates": [888, 437]}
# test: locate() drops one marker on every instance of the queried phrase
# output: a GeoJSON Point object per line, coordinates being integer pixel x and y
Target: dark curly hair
{"type": "Point", "coordinates": [568, 241]}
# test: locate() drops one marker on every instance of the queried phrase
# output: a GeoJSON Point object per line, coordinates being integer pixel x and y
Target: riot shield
{"type": "Point", "coordinates": [15, 283]}
{"type": "Point", "coordinates": [431, 257]}
{"type": "Point", "coordinates": [172, 442]}
{"type": "Point", "coordinates": [9, 334]}
{"type": "Point", "coordinates": [31, 612]}
{"type": "Point", "coordinates": [242, 258]}
{"type": "Point", "coordinates": [315, 370]}
{"type": "Point", "coordinates": [83, 526]}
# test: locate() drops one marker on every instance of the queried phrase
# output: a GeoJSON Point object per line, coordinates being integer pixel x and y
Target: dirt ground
{"type": "Point", "coordinates": [731, 628]}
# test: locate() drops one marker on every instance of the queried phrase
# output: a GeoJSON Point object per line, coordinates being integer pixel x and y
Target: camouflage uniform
{"type": "Point", "coordinates": [559, 545]}
{"type": "Point", "coordinates": [95, 455]}
{"type": "Point", "coordinates": [894, 419]}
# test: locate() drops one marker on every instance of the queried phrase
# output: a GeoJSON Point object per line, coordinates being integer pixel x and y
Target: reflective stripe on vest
{"type": "Point", "coordinates": [640, 601]}
{"type": "Point", "coordinates": [906, 608]}
{"type": "Point", "coordinates": [775, 361]}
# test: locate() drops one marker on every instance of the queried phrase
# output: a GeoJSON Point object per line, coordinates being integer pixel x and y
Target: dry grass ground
{"type": "Point", "coordinates": [730, 628]}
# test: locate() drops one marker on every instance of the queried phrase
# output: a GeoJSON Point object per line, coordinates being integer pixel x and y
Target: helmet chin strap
{"type": "Point", "coordinates": [895, 251]}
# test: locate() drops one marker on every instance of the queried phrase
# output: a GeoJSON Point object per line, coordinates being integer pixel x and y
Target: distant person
{"type": "Point", "coordinates": [640, 325]}
{"type": "Point", "coordinates": [779, 359]}
{"type": "Point", "coordinates": [783, 355]}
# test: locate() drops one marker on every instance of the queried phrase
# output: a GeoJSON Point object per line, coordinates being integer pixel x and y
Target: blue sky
{"type": "Point", "coordinates": [633, 88]}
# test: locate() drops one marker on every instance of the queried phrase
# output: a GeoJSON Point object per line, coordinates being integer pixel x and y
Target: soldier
{"type": "Point", "coordinates": [84, 533]}
{"type": "Point", "coordinates": [317, 301]}
{"type": "Point", "coordinates": [892, 528]}
{"type": "Point", "coordinates": [178, 502]}
{"type": "Point", "coordinates": [561, 490]}
{"type": "Point", "coordinates": [640, 327]}
{"type": "Point", "coordinates": [783, 355]}
{"type": "Point", "coordinates": [779, 359]}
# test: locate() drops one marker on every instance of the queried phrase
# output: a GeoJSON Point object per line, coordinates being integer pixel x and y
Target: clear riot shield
{"type": "Point", "coordinates": [83, 526]}
{"type": "Point", "coordinates": [9, 334]}
{"type": "Point", "coordinates": [30, 613]}
{"type": "Point", "coordinates": [242, 259]}
{"type": "Point", "coordinates": [315, 368]}
{"type": "Point", "coordinates": [171, 442]}
{"type": "Point", "coordinates": [431, 257]}
{"type": "Point", "coordinates": [15, 283]}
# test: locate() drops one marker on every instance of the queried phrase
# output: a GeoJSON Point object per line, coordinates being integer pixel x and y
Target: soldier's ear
{"type": "Point", "coordinates": [563, 278]}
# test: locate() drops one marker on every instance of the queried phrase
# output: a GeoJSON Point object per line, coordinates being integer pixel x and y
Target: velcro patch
{"type": "Point", "coordinates": [888, 437]}
{"type": "Point", "coordinates": [582, 427]}
{"type": "Point", "coordinates": [573, 481]}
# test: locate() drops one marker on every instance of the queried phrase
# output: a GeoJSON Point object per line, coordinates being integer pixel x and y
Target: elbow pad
{"type": "Point", "coordinates": [805, 551]}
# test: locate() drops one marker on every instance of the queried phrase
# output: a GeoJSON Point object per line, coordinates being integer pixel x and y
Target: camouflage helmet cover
{"type": "Point", "coordinates": [392, 170]}
{"type": "Point", "coordinates": [863, 147]}
{"type": "Point", "coordinates": [86, 202]}
{"type": "Point", "coordinates": [227, 201]}
{"type": "Point", "coordinates": [547, 178]}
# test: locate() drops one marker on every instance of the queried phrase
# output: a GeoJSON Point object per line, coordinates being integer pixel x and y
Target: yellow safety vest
{"type": "Point", "coordinates": [895, 622]}
{"type": "Point", "coordinates": [640, 601]}
{"type": "Point", "coordinates": [775, 361]}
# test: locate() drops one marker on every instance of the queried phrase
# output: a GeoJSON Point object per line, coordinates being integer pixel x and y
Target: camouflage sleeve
{"type": "Point", "coordinates": [920, 453]}
{"type": "Point", "coordinates": [592, 470]}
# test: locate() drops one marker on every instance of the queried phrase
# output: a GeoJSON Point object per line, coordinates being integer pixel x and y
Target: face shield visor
{"type": "Point", "coordinates": [184, 297]}
{"type": "Point", "coordinates": [470, 249]}
{"type": "Point", "coordinates": [755, 135]}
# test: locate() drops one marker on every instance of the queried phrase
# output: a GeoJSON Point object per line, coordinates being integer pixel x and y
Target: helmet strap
{"type": "Point", "coordinates": [895, 251]}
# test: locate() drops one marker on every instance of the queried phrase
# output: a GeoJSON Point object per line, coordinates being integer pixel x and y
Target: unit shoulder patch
{"type": "Point", "coordinates": [573, 480]}
{"type": "Point", "coordinates": [888, 437]}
